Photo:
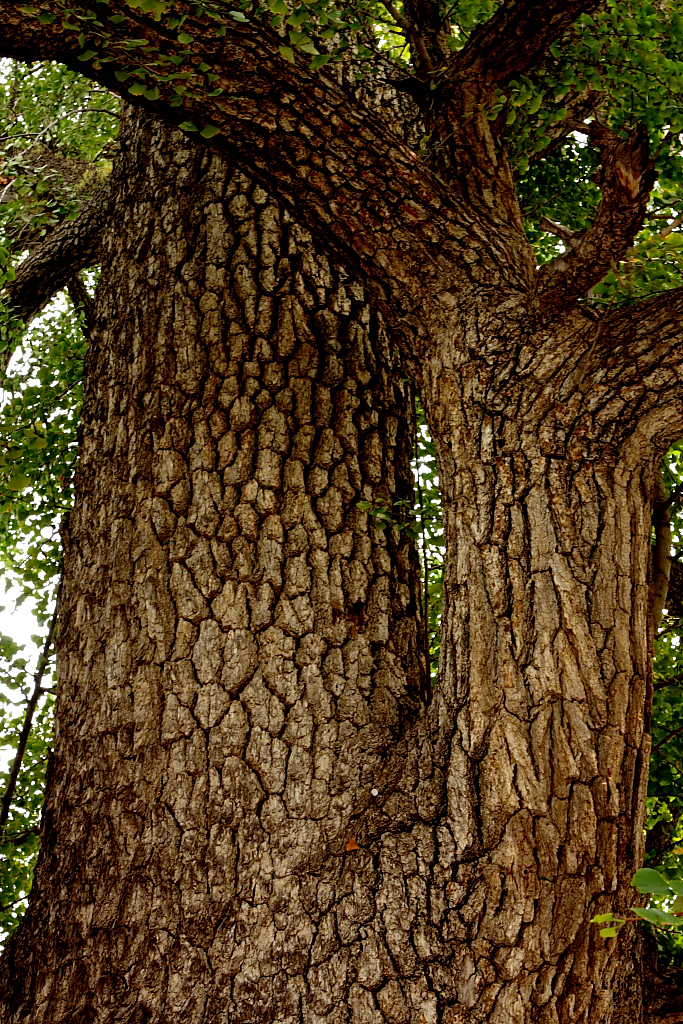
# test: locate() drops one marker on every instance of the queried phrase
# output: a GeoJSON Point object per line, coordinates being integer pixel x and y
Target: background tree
{"type": "Point", "coordinates": [509, 809]}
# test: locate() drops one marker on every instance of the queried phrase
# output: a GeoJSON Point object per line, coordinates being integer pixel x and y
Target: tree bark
{"type": "Point", "coordinates": [549, 482]}
{"type": "Point", "coordinates": [255, 814]}
{"type": "Point", "coordinates": [239, 641]}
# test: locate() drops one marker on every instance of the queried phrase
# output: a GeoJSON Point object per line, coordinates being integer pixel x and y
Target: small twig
{"type": "Point", "coordinates": [663, 684]}
{"type": "Point", "coordinates": [566, 234]}
{"type": "Point", "coordinates": [676, 223]}
{"type": "Point", "coordinates": [43, 662]}
{"type": "Point", "coordinates": [661, 556]}
{"type": "Point", "coordinates": [396, 15]}
{"type": "Point", "coordinates": [669, 736]}
{"type": "Point", "coordinates": [81, 299]}
{"type": "Point", "coordinates": [18, 837]}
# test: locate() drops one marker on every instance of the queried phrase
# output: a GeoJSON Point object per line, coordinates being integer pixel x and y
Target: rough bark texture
{"type": "Point", "coordinates": [549, 505]}
{"type": "Point", "coordinates": [239, 642]}
{"type": "Point", "coordinates": [253, 817]}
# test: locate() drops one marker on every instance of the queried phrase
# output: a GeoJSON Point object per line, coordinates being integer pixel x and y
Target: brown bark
{"type": "Point", "coordinates": [299, 839]}
{"type": "Point", "coordinates": [345, 173]}
{"type": "Point", "coordinates": [252, 815]}
{"type": "Point", "coordinates": [548, 513]}
{"type": "Point", "coordinates": [238, 641]}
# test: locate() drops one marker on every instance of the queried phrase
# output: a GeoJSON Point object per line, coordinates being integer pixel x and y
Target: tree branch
{"type": "Point", "coordinates": [71, 247]}
{"type": "Point", "coordinates": [31, 706]}
{"type": "Point", "coordinates": [516, 38]}
{"type": "Point", "coordinates": [626, 178]}
{"type": "Point", "coordinates": [465, 146]}
{"type": "Point", "coordinates": [660, 573]}
{"type": "Point", "coordinates": [367, 196]}
{"type": "Point", "coordinates": [674, 601]}
{"type": "Point", "coordinates": [427, 31]}
{"type": "Point", "coordinates": [82, 301]}
{"type": "Point", "coordinates": [579, 107]}
{"type": "Point", "coordinates": [638, 375]}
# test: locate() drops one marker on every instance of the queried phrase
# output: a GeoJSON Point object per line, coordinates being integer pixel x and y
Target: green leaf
{"type": "Point", "coordinates": [188, 126]}
{"type": "Point", "coordinates": [183, 37]}
{"type": "Point", "coordinates": [609, 933]}
{"type": "Point", "coordinates": [647, 880]}
{"type": "Point", "coordinates": [237, 15]}
{"type": "Point", "coordinates": [602, 918]}
{"type": "Point", "coordinates": [209, 131]}
{"type": "Point", "coordinates": [656, 916]}
{"type": "Point", "coordinates": [288, 53]}
{"type": "Point", "coordinates": [87, 55]}
{"type": "Point", "coordinates": [19, 481]}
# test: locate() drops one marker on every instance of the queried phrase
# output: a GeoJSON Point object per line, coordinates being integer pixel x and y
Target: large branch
{"type": "Point", "coordinates": [626, 179]}
{"type": "Point", "coordinates": [49, 268]}
{"type": "Point", "coordinates": [638, 371]}
{"type": "Point", "coordinates": [465, 146]}
{"type": "Point", "coordinates": [365, 194]}
{"type": "Point", "coordinates": [517, 38]}
{"type": "Point", "coordinates": [427, 30]}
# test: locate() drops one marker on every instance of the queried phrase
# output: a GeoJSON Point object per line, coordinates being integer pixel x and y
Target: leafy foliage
{"type": "Point", "coordinates": [54, 128]}
{"type": "Point", "coordinates": [55, 144]}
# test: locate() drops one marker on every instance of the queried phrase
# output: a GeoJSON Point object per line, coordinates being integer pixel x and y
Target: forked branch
{"type": "Point", "coordinates": [626, 178]}
{"type": "Point", "coordinates": [350, 180]}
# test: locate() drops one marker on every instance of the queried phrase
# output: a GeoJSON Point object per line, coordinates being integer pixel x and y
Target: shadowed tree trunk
{"type": "Point", "coordinates": [238, 640]}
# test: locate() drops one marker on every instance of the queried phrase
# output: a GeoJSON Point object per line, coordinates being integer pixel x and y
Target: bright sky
{"type": "Point", "coordinates": [20, 624]}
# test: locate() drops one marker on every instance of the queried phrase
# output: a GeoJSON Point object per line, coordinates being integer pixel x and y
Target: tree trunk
{"type": "Point", "coordinates": [239, 641]}
{"type": "Point", "coordinates": [545, 676]}
{"type": "Point", "coordinates": [253, 816]}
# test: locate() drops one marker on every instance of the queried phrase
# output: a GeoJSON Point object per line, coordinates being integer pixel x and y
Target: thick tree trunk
{"type": "Point", "coordinates": [254, 816]}
{"type": "Point", "coordinates": [239, 641]}
{"type": "Point", "coordinates": [545, 678]}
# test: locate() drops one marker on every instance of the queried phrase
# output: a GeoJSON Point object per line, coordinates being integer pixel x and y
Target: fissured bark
{"type": "Point", "coordinates": [239, 636]}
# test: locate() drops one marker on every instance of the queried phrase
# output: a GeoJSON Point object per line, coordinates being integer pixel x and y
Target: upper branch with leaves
{"type": "Point", "coordinates": [345, 173]}
{"type": "Point", "coordinates": [516, 38]}
{"type": "Point", "coordinates": [626, 178]}
{"type": "Point", "coordinates": [51, 265]}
